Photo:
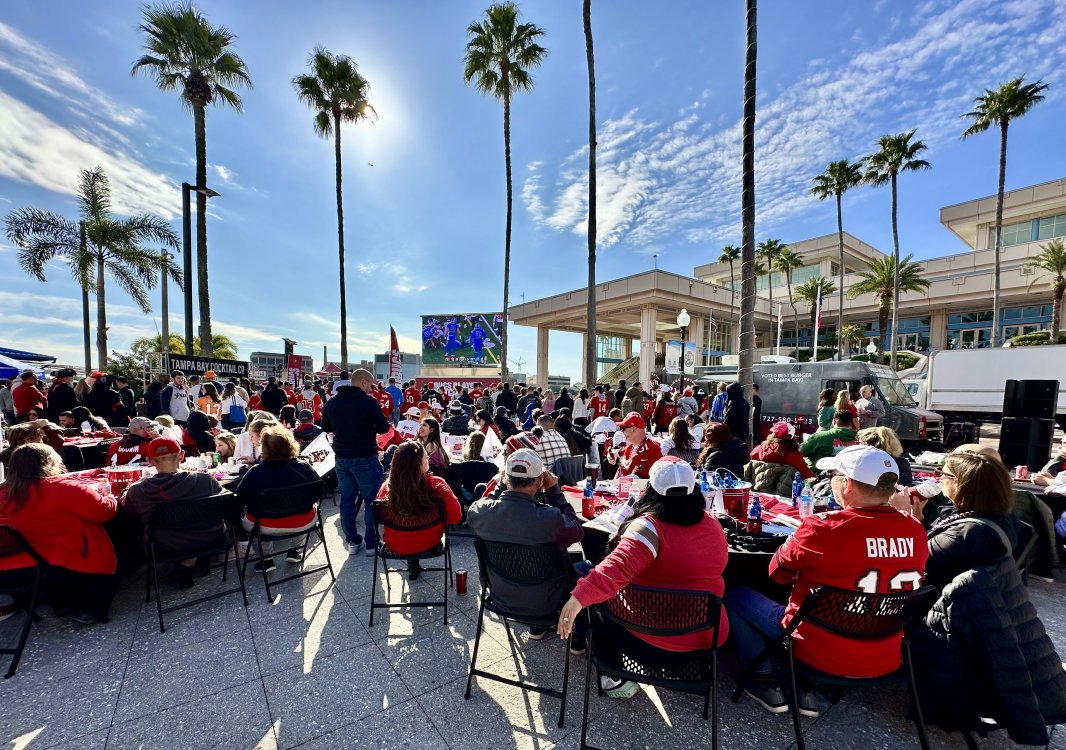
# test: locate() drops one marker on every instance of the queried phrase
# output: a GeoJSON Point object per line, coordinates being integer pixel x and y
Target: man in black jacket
{"type": "Point", "coordinates": [736, 411]}
{"type": "Point", "coordinates": [355, 419]}
{"type": "Point", "coordinates": [273, 397]}
{"type": "Point", "coordinates": [565, 400]}
{"type": "Point", "coordinates": [508, 399]}
{"type": "Point", "coordinates": [619, 394]}
{"type": "Point", "coordinates": [61, 397]}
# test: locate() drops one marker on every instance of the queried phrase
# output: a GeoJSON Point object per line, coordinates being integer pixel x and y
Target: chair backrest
{"type": "Point", "coordinates": [688, 455]}
{"type": "Point", "coordinates": [384, 516]}
{"type": "Point", "coordinates": [287, 501]}
{"type": "Point", "coordinates": [474, 473]}
{"type": "Point", "coordinates": [13, 543]}
{"type": "Point", "coordinates": [663, 612]}
{"type": "Point", "coordinates": [522, 564]}
{"type": "Point", "coordinates": [1025, 549]}
{"type": "Point", "coordinates": [862, 616]}
{"type": "Point", "coordinates": [205, 514]}
{"type": "Point", "coordinates": [570, 470]}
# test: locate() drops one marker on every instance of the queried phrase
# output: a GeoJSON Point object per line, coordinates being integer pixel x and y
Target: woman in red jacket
{"type": "Point", "coordinates": [412, 496]}
{"type": "Point", "coordinates": [780, 447]}
{"type": "Point", "coordinates": [63, 520]}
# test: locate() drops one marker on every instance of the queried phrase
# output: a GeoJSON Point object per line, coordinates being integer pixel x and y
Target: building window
{"type": "Point", "coordinates": [1016, 234]}
{"type": "Point", "coordinates": [1051, 226]}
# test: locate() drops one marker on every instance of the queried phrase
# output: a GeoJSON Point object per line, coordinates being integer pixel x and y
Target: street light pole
{"type": "Point", "coordinates": [164, 339]}
{"type": "Point", "coordinates": [683, 320]}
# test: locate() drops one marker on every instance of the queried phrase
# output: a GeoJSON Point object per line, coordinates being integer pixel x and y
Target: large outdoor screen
{"type": "Point", "coordinates": [471, 339]}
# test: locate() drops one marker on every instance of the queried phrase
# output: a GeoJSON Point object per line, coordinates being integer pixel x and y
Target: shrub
{"type": "Point", "coordinates": [904, 360]}
{"type": "Point", "coordinates": [1039, 338]}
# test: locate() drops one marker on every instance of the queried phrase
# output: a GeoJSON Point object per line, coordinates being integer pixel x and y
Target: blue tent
{"type": "Point", "coordinates": [22, 356]}
{"type": "Point", "coordinates": [11, 368]}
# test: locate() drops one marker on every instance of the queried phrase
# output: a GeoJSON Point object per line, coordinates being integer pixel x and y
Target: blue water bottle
{"type": "Point", "coordinates": [754, 525]}
{"type": "Point", "coordinates": [832, 504]}
{"type": "Point", "coordinates": [797, 488]}
{"type": "Point", "coordinates": [707, 491]}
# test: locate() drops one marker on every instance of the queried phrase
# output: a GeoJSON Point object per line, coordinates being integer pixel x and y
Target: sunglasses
{"type": "Point", "coordinates": [941, 474]}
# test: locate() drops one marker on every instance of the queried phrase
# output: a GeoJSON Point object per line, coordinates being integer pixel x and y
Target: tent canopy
{"type": "Point", "coordinates": [11, 368]}
{"type": "Point", "coordinates": [22, 356]}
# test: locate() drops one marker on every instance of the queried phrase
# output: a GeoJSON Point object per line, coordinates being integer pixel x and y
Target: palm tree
{"type": "Point", "coordinates": [1052, 258]}
{"type": "Point", "coordinates": [839, 177]}
{"type": "Point", "coordinates": [788, 261]}
{"type": "Point", "coordinates": [110, 244]}
{"type": "Point", "coordinates": [188, 54]}
{"type": "Point", "coordinates": [590, 312]}
{"type": "Point", "coordinates": [500, 54]}
{"type": "Point", "coordinates": [808, 293]}
{"type": "Point", "coordinates": [747, 201]}
{"type": "Point", "coordinates": [768, 251]}
{"type": "Point", "coordinates": [896, 153]}
{"type": "Point", "coordinates": [731, 254]}
{"type": "Point", "coordinates": [1009, 102]}
{"type": "Point", "coordinates": [882, 281]}
{"type": "Point", "coordinates": [223, 346]}
{"type": "Point", "coordinates": [338, 94]}
{"type": "Point", "coordinates": [851, 334]}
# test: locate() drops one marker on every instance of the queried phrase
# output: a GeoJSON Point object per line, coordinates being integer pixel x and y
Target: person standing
{"type": "Point", "coordinates": [565, 400]}
{"type": "Point", "coordinates": [411, 396]}
{"type": "Point", "coordinates": [508, 399]}
{"type": "Point", "coordinates": [7, 405]}
{"type": "Point", "coordinates": [61, 397]}
{"type": "Point", "coordinates": [756, 410]}
{"type": "Point", "coordinates": [274, 398]}
{"type": "Point", "coordinates": [175, 400]}
{"type": "Point", "coordinates": [718, 404]}
{"type": "Point", "coordinates": [619, 395]}
{"type": "Point", "coordinates": [397, 400]}
{"type": "Point", "coordinates": [687, 404]}
{"type": "Point", "coordinates": [28, 396]}
{"type": "Point", "coordinates": [736, 411]}
{"type": "Point", "coordinates": [869, 407]}
{"type": "Point", "coordinates": [355, 419]}
{"type": "Point", "coordinates": [633, 400]}
{"type": "Point", "coordinates": [127, 396]}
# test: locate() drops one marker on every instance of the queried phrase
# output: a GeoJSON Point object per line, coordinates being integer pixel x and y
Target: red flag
{"type": "Point", "coordinates": [395, 362]}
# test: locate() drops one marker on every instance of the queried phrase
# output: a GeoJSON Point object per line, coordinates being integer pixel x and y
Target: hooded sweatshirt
{"type": "Point", "coordinates": [143, 496]}
{"type": "Point", "coordinates": [736, 411]}
{"type": "Point", "coordinates": [774, 453]}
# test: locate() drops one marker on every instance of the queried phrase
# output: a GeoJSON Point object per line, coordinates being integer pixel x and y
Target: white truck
{"type": "Point", "coordinates": [966, 385]}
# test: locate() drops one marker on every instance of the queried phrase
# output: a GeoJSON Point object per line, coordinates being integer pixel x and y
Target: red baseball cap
{"type": "Point", "coordinates": [632, 420]}
{"type": "Point", "coordinates": [423, 404]}
{"type": "Point", "coordinates": [163, 446]}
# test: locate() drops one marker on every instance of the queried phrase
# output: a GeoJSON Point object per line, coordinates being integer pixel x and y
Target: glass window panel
{"type": "Point", "coordinates": [1010, 332]}
{"type": "Point", "coordinates": [984, 316]}
{"type": "Point", "coordinates": [1031, 312]}
{"type": "Point", "coordinates": [1012, 313]}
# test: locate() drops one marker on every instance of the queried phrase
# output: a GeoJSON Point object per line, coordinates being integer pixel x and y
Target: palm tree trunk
{"type": "Point", "coordinates": [1056, 310]}
{"type": "Point", "coordinates": [895, 283]}
{"type": "Point", "coordinates": [340, 241]}
{"type": "Point", "coordinates": [747, 298]}
{"type": "Point", "coordinates": [882, 324]}
{"type": "Point", "coordinates": [590, 312]}
{"type": "Point", "coordinates": [999, 230]}
{"type": "Point", "coordinates": [733, 301]}
{"type": "Point", "coordinates": [840, 295]}
{"type": "Point", "coordinates": [507, 231]}
{"type": "Point", "coordinates": [795, 313]}
{"type": "Point", "coordinates": [200, 121]}
{"type": "Point", "coordinates": [101, 314]}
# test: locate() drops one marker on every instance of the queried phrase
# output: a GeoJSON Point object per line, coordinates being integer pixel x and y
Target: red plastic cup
{"type": "Point", "coordinates": [460, 582]}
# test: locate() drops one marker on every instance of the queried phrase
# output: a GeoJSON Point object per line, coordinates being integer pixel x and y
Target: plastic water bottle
{"type": "Point", "coordinates": [832, 504]}
{"type": "Point", "coordinates": [806, 503]}
{"type": "Point", "coordinates": [708, 492]}
{"type": "Point", "coordinates": [624, 511]}
{"type": "Point", "coordinates": [754, 525]}
{"type": "Point", "coordinates": [797, 488]}
{"type": "Point", "coordinates": [588, 503]}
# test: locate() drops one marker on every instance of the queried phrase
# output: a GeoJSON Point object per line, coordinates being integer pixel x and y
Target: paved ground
{"type": "Point", "coordinates": [309, 672]}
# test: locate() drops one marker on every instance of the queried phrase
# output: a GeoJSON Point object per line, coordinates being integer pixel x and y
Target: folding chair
{"type": "Point", "coordinates": [517, 565]}
{"type": "Point", "coordinates": [282, 503]}
{"type": "Point", "coordinates": [384, 517]}
{"type": "Point", "coordinates": [688, 455]}
{"type": "Point", "coordinates": [858, 615]}
{"type": "Point", "coordinates": [1025, 550]}
{"type": "Point", "coordinates": [13, 543]}
{"type": "Point", "coordinates": [472, 473]}
{"type": "Point", "coordinates": [657, 612]}
{"type": "Point", "coordinates": [206, 517]}
{"type": "Point", "coordinates": [570, 470]}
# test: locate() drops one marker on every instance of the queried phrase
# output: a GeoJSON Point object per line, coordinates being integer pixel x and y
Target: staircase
{"type": "Point", "coordinates": [626, 370]}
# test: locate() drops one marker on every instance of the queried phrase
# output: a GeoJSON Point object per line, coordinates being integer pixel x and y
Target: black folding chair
{"type": "Point", "coordinates": [208, 519]}
{"type": "Point", "coordinates": [13, 543]}
{"type": "Point", "coordinates": [570, 470]}
{"type": "Point", "coordinates": [385, 518]}
{"type": "Point", "coordinates": [518, 565]}
{"type": "Point", "coordinates": [857, 615]}
{"type": "Point", "coordinates": [283, 502]}
{"type": "Point", "coordinates": [688, 455]}
{"type": "Point", "coordinates": [471, 474]}
{"type": "Point", "coordinates": [657, 612]}
{"type": "Point", "coordinates": [1025, 550]}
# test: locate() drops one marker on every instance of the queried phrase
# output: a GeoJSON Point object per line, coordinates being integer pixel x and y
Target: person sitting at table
{"type": "Point", "coordinates": [225, 444]}
{"type": "Point", "coordinates": [680, 440]}
{"type": "Point", "coordinates": [288, 416]}
{"type": "Point", "coordinates": [886, 439]}
{"type": "Point", "coordinates": [530, 510]}
{"type": "Point", "coordinates": [551, 446]}
{"type": "Point", "coordinates": [20, 434]}
{"type": "Point", "coordinates": [255, 399]}
{"type": "Point", "coordinates": [167, 428]}
{"type": "Point", "coordinates": [505, 426]}
{"type": "Point", "coordinates": [1052, 468]}
{"type": "Point", "coordinates": [640, 451]}
{"type": "Point", "coordinates": [247, 451]}
{"type": "Point", "coordinates": [780, 447]}
{"type": "Point", "coordinates": [868, 546]}
{"type": "Point", "coordinates": [408, 426]}
{"type": "Point", "coordinates": [696, 427]}
{"type": "Point", "coordinates": [133, 447]}
{"type": "Point", "coordinates": [209, 400]}
{"type": "Point", "coordinates": [580, 444]}
{"type": "Point", "coordinates": [826, 443]}
{"type": "Point", "coordinates": [85, 421]}
{"type": "Point", "coordinates": [66, 420]}
{"type": "Point", "coordinates": [62, 518]}
{"type": "Point", "coordinates": [306, 431]}
{"type": "Point", "coordinates": [196, 435]}
{"type": "Point", "coordinates": [280, 467]}
{"type": "Point", "coordinates": [723, 451]}
{"type": "Point", "coordinates": [457, 423]}
{"type": "Point", "coordinates": [170, 483]}
{"type": "Point", "coordinates": [474, 445]}
{"type": "Point", "coordinates": [484, 422]}
{"type": "Point", "coordinates": [411, 493]}
{"type": "Point", "coordinates": [429, 436]}
{"type": "Point", "coordinates": [654, 548]}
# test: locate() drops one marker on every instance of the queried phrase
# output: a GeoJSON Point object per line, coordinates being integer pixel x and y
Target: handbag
{"type": "Point", "coordinates": [236, 413]}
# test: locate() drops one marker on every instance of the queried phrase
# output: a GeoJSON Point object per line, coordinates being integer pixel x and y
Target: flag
{"type": "Point", "coordinates": [714, 323]}
{"type": "Point", "coordinates": [395, 362]}
{"type": "Point", "coordinates": [818, 314]}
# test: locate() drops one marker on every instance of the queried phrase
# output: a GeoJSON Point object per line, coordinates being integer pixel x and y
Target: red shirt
{"type": "Point", "coordinates": [773, 453]}
{"type": "Point", "coordinates": [313, 404]}
{"type": "Point", "coordinates": [292, 395]}
{"type": "Point", "coordinates": [665, 415]}
{"type": "Point", "coordinates": [476, 394]}
{"type": "Point", "coordinates": [649, 408]}
{"type": "Point", "coordinates": [26, 397]}
{"type": "Point", "coordinates": [411, 397]}
{"type": "Point", "coordinates": [637, 459]}
{"type": "Point", "coordinates": [119, 455]}
{"type": "Point", "coordinates": [384, 399]}
{"type": "Point", "coordinates": [599, 405]}
{"type": "Point", "coordinates": [414, 542]}
{"type": "Point", "coordinates": [254, 402]}
{"type": "Point", "coordinates": [874, 549]}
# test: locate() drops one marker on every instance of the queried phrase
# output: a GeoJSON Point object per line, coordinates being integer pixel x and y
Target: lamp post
{"type": "Point", "coordinates": [164, 339]}
{"type": "Point", "coordinates": [683, 320]}
{"type": "Point", "coordinates": [186, 252]}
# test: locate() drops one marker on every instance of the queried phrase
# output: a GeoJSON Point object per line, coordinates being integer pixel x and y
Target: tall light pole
{"type": "Point", "coordinates": [164, 338]}
{"type": "Point", "coordinates": [683, 320]}
{"type": "Point", "coordinates": [186, 252]}
{"type": "Point", "coordinates": [85, 304]}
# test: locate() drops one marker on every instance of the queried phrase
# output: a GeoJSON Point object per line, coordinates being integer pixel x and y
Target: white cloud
{"type": "Point", "coordinates": [225, 174]}
{"type": "Point", "coordinates": [680, 180]}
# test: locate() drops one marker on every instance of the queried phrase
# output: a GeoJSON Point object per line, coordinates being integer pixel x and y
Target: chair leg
{"type": "Point", "coordinates": [713, 697]}
{"type": "Point", "coordinates": [24, 632]}
{"type": "Point", "coordinates": [153, 570]}
{"type": "Point", "coordinates": [588, 689]}
{"type": "Point", "coordinates": [374, 588]}
{"type": "Point", "coordinates": [262, 565]}
{"type": "Point", "coordinates": [447, 575]}
{"type": "Point", "coordinates": [477, 642]}
{"type": "Point", "coordinates": [912, 688]}
{"type": "Point", "coordinates": [566, 679]}
{"type": "Point", "coordinates": [325, 549]}
{"type": "Point", "coordinates": [147, 587]}
{"type": "Point", "coordinates": [237, 567]}
{"type": "Point", "coordinates": [793, 700]}
{"type": "Point", "coordinates": [971, 742]}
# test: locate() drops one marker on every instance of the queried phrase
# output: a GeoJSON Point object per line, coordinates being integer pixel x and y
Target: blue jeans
{"type": "Point", "coordinates": [754, 620]}
{"type": "Point", "coordinates": [358, 477]}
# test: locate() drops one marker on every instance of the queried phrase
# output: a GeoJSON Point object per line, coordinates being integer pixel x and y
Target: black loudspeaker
{"type": "Point", "coordinates": [1026, 441]}
{"type": "Point", "coordinates": [1031, 399]}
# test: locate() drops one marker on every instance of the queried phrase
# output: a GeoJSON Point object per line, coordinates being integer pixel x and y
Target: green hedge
{"type": "Point", "coordinates": [1040, 338]}
{"type": "Point", "coordinates": [904, 360]}
{"type": "Point", "coordinates": [804, 355]}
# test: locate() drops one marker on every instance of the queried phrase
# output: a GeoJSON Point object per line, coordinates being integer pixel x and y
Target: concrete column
{"type": "Point", "coordinates": [696, 332]}
{"type": "Point", "coordinates": [584, 358]}
{"type": "Point", "coordinates": [627, 347]}
{"type": "Point", "coordinates": [647, 343]}
{"type": "Point", "coordinates": [938, 329]}
{"type": "Point", "coordinates": [542, 356]}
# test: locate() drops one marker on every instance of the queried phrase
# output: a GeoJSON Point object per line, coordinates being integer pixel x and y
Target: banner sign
{"type": "Point", "coordinates": [395, 362]}
{"type": "Point", "coordinates": [224, 368]}
{"type": "Point", "coordinates": [673, 356]}
{"type": "Point", "coordinates": [451, 385]}
{"type": "Point", "coordinates": [295, 369]}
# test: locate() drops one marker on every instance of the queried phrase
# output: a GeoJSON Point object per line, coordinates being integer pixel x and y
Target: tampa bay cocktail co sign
{"type": "Point", "coordinates": [199, 365]}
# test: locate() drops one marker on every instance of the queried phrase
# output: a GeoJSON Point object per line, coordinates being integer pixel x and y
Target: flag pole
{"type": "Point", "coordinates": [817, 325]}
{"type": "Point", "coordinates": [779, 309]}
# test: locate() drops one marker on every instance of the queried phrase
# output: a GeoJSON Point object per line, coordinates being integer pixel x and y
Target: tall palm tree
{"type": "Point", "coordinates": [1052, 258]}
{"type": "Point", "coordinates": [851, 335]}
{"type": "Point", "coordinates": [808, 293]}
{"type": "Point", "coordinates": [500, 53]}
{"type": "Point", "coordinates": [895, 154]}
{"type": "Point", "coordinates": [838, 177]}
{"type": "Point", "coordinates": [788, 261]}
{"type": "Point", "coordinates": [112, 245]}
{"type": "Point", "coordinates": [338, 94]}
{"type": "Point", "coordinates": [590, 312]}
{"type": "Point", "coordinates": [768, 251]}
{"type": "Point", "coordinates": [186, 53]}
{"type": "Point", "coordinates": [223, 346]}
{"type": "Point", "coordinates": [1010, 101]}
{"type": "Point", "coordinates": [731, 254]}
{"type": "Point", "coordinates": [747, 200]}
{"type": "Point", "coordinates": [881, 280]}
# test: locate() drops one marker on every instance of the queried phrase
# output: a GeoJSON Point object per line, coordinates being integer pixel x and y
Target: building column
{"type": "Point", "coordinates": [647, 343]}
{"type": "Point", "coordinates": [696, 332]}
{"type": "Point", "coordinates": [627, 347]}
{"type": "Point", "coordinates": [584, 359]}
{"type": "Point", "coordinates": [542, 356]}
{"type": "Point", "coordinates": [938, 329]}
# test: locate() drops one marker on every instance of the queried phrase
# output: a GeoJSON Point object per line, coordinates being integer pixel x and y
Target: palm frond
{"type": "Point", "coordinates": [131, 282]}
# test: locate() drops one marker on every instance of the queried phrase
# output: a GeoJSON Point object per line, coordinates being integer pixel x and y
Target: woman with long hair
{"type": "Point", "coordinates": [781, 447]}
{"type": "Point", "coordinates": [20, 434]}
{"type": "Point", "coordinates": [196, 435]}
{"type": "Point", "coordinates": [429, 437]}
{"type": "Point", "coordinates": [411, 493]}
{"type": "Point", "coordinates": [886, 439]}
{"type": "Point", "coordinates": [231, 398]}
{"type": "Point", "coordinates": [548, 404]}
{"type": "Point", "coordinates": [844, 403]}
{"type": "Point", "coordinates": [225, 444]}
{"type": "Point", "coordinates": [474, 445]}
{"type": "Point", "coordinates": [484, 423]}
{"type": "Point", "coordinates": [654, 548]}
{"type": "Point", "coordinates": [210, 402]}
{"type": "Point", "coordinates": [503, 423]}
{"type": "Point", "coordinates": [680, 438]}
{"type": "Point", "coordinates": [62, 519]}
{"type": "Point", "coordinates": [578, 442]}
{"type": "Point", "coordinates": [723, 451]}
{"type": "Point", "coordinates": [826, 409]}
{"type": "Point", "coordinates": [581, 413]}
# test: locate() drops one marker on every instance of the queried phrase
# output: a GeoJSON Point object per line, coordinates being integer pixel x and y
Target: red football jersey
{"type": "Point", "coordinates": [649, 408]}
{"type": "Point", "coordinates": [874, 549]}
{"type": "Point", "coordinates": [600, 405]}
{"type": "Point", "coordinates": [476, 394]}
{"type": "Point", "coordinates": [384, 400]}
{"type": "Point", "coordinates": [637, 459]}
{"type": "Point", "coordinates": [667, 412]}
{"type": "Point", "coordinates": [313, 405]}
{"type": "Point", "coordinates": [411, 397]}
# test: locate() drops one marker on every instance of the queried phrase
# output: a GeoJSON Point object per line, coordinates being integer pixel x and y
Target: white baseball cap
{"type": "Point", "coordinates": [863, 463]}
{"type": "Point", "coordinates": [413, 412]}
{"type": "Point", "coordinates": [524, 463]}
{"type": "Point", "coordinates": [672, 476]}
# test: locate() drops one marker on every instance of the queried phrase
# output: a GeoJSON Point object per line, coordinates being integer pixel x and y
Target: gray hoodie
{"type": "Point", "coordinates": [142, 497]}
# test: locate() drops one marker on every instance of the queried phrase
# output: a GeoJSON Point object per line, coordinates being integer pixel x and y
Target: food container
{"type": "Point", "coordinates": [121, 477]}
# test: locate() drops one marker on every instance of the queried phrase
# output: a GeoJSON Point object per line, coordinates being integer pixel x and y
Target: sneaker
{"type": "Point", "coordinates": [267, 566]}
{"type": "Point", "coordinates": [768, 695]}
{"type": "Point", "coordinates": [370, 551]}
{"type": "Point", "coordinates": [578, 646]}
{"type": "Point", "coordinates": [808, 704]}
{"type": "Point", "coordinates": [7, 611]}
{"type": "Point", "coordinates": [295, 555]}
{"type": "Point", "coordinates": [537, 634]}
{"type": "Point", "coordinates": [353, 547]}
{"type": "Point", "coordinates": [85, 619]}
{"type": "Point", "coordinates": [618, 688]}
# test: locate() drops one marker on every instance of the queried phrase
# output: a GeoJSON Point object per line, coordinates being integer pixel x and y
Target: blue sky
{"type": "Point", "coordinates": [424, 223]}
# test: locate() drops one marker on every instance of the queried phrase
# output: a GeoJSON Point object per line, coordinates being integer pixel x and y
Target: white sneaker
{"type": "Point", "coordinates": [618, 688]}
{"type": "Point", "coordinates": [353, 548]}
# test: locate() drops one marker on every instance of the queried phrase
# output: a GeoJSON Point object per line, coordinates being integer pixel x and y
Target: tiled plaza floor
{"type": "Point", "coordinates": [308, 671]}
